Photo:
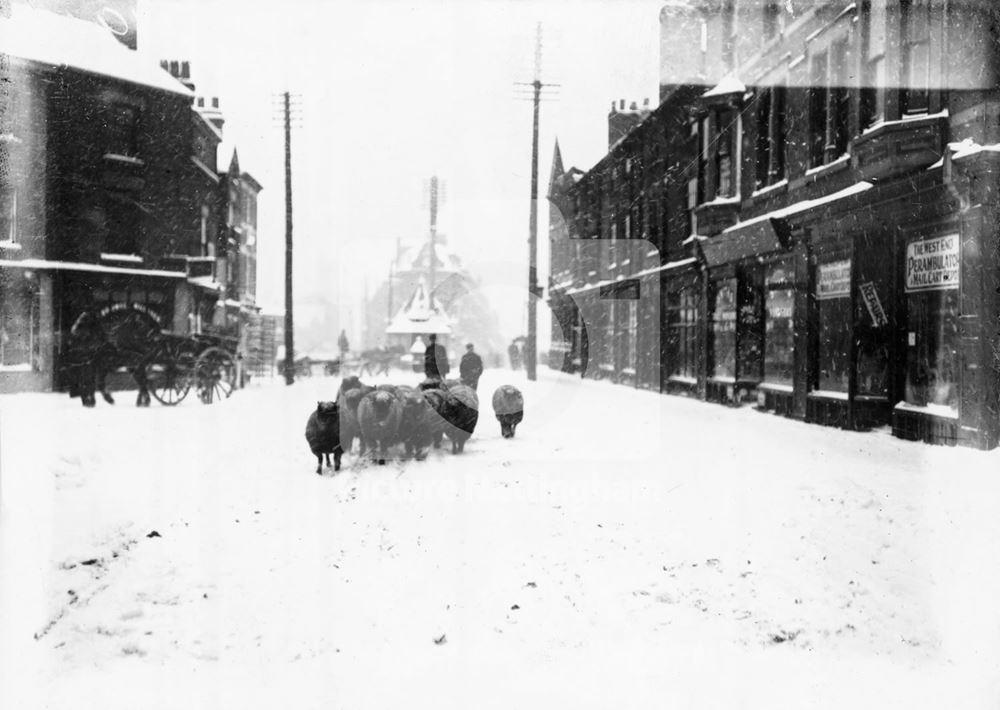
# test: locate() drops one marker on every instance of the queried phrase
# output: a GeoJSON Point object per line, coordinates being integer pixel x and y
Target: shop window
{"type": "Point", "coordinates": [779, 333]}
{"type": "Point", "coordinates": [609, 336]}
{"type": "Point", "coordinates": [915, 48]}
{"type": "Point", "coordinates": [632, 335]}
{"type": "Point", "coordinates": [750, 327]}
{"type": "Point", "coordinates": [122, 129]}
{"type": "Point", "coordinates": [833, 291]}
{"type": "Point", "coordinates": [873, 14]}
{"type": "Point", "coordinates": [932, 304]}
{"type": "Point", "coordinates": [20, 321]}
{"type": "Point", "coordinates": [770, 156]}
{"type": "Point", "coordinates": [724, 330]}
{"type": "Point", "coordinates": [684, 324]}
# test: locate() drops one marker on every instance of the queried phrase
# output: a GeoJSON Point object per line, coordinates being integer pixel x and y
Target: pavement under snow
{"type": "Point", "coordinates": [625, 550]}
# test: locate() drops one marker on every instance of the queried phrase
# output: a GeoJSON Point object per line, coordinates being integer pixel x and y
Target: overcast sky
{"type": "Point", "coordinates": [391, 93]}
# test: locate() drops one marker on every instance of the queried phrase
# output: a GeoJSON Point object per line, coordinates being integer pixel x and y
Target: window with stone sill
{"type": "Point", "coordinates": [915, 56]}
{"type": "Point", "coordinates": [873, 93]}
{"type": "Point", "coordinates": [771, 136]}
{"type": "Point", "coordinates": [122, 129]}
{"type": "Point", "coordinates": [829, 102]}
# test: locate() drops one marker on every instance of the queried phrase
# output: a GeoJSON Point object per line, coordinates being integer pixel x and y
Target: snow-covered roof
{"type": "Point", "coordinates": [44, 264]}
{"type": "Point", "coordinates": [801, 206]}
{"type": "Point", "coordinates": [420, 314]}
{"type": "Point", "coordinates": [728, 85]}
{"type": "Point", "coordinates": [61, 41]}
{"type": "Point", "coordinates": [207, 282]}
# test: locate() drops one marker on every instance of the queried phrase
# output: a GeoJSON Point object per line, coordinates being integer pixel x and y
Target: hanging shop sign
{"type": "Point", "coordinates": [874, 305]}
{"type": "Point", "coordinates": [834, 280]}
{"type": "Point", "coordinates": [933, 264]}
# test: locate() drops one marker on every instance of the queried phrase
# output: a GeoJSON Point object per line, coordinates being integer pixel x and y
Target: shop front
{"type": "Point", "coordinates": [750, 300]}
{"type": "Point", "coordinates": [930, 405]}
{"type": "Point", "coordinates": [682, 332]}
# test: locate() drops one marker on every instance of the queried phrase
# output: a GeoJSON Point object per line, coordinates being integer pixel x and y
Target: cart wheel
{"type": "Point", "coordinates": [169, 371]}
{"type": "Point", "coordinates": [215, 373]}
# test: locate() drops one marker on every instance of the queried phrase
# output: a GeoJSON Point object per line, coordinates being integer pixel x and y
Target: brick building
{"type": "Point", "coordinates": [110, 193]}
{"type": "Point", "coordinates": [818, 191]}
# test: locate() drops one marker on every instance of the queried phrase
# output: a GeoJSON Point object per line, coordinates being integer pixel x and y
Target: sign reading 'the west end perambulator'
{"type": "Point", "coordinates": [932, 264]}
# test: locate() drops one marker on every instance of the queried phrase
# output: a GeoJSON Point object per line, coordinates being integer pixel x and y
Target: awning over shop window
{"type": "Point", "coordinates": [769, 232]}
{"type": "Point", "coordinates": [747, 240]}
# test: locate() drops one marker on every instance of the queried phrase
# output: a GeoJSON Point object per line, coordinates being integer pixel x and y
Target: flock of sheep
{"type": "Point", "coordinates": [415, 417]}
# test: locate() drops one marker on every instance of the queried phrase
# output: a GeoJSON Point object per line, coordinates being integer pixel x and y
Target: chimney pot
{"type": "Point", "coordinates": [633, 106]}
{"type": "Point", "coordinates": [185, 70]}
{"type": "Point", "coordinates": [175, 70]}
{"type": "Point", "coordinates": [645, 102]}
{"type": "Point", "coordinates": [215, 102]}
{"type": "Point", "coordinates": [621, 106]}
{"type": "Point", "coordinates": [164, 64]}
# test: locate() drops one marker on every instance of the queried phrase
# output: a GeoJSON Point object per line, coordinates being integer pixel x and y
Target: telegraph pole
{"type": "Point", "coordinates": [534, 290]}
{"type": "Point", "coordinates": [287, 104]}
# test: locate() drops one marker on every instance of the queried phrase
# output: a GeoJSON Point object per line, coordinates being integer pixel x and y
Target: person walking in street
{"type": "Point", "coordinates": [471, 368]}
{"type": "Point", "coordinates": [435, 359]}
{"type": "Point", "coordinates": [515, 356]}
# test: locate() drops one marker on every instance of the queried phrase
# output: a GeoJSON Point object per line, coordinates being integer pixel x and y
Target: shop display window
{"type": "Point", "coordinates": [20, 307]}
{"type": "Point", "coordinates": [724, 329]}
{"type": "Point", "coordinates": [834, 305]}
{"type": "Point", "coordinates": [779, 339]}
{"type": "Point", "coordinates": [931, 278]}
{"type": "Point", "coordinates": [684, 327]}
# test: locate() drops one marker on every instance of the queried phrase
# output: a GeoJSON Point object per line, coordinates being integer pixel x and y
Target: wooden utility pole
{"type": "Point", "coordinates": [287, 105]}
{"type": "Point", "coordinates": [534, 290]}
{"type": "Point", "coordinates": [289, 319]}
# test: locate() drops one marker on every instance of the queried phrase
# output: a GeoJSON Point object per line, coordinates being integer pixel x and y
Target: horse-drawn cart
{"type": "Point", "coordinates": [178, 364]}
{"type": "Point", "coordinates": [163, 364]}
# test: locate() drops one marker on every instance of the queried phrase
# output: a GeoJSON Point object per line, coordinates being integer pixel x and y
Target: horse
{"type": "Point", "coordinates": [101, 344]}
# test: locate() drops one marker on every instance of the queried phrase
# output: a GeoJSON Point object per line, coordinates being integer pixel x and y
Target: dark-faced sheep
{"type": "Point", "coordinates": [508, 405]}
{"type": "Point", "coordinates": [418, 423]}
{"type": "Point", "coordinates": [323, 434]}
{"type": "Point", "coordinates": [461, 412]}
{"type": "Point", "coordinates": [378, 414]}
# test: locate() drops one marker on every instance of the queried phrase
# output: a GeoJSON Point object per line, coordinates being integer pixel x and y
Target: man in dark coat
{"type": "Point", "coordinates": [515, 356]}
{"type": "Point", "coordinates": [471, 368]}
{"type": "Point", "coordinates": [435, 359]}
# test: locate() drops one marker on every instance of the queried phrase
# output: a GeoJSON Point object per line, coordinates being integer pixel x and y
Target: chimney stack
{"type": "Point", "coordinates": [620, 121]}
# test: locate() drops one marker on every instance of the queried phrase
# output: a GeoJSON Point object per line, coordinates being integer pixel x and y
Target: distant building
{"type": "Point", "coordinates": [819, 182]}
{"type": "Point", "coordinates": [457, 300]}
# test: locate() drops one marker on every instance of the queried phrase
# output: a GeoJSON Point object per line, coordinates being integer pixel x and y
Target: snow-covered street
{"type": "Point", "coordinates": [626, 549]}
